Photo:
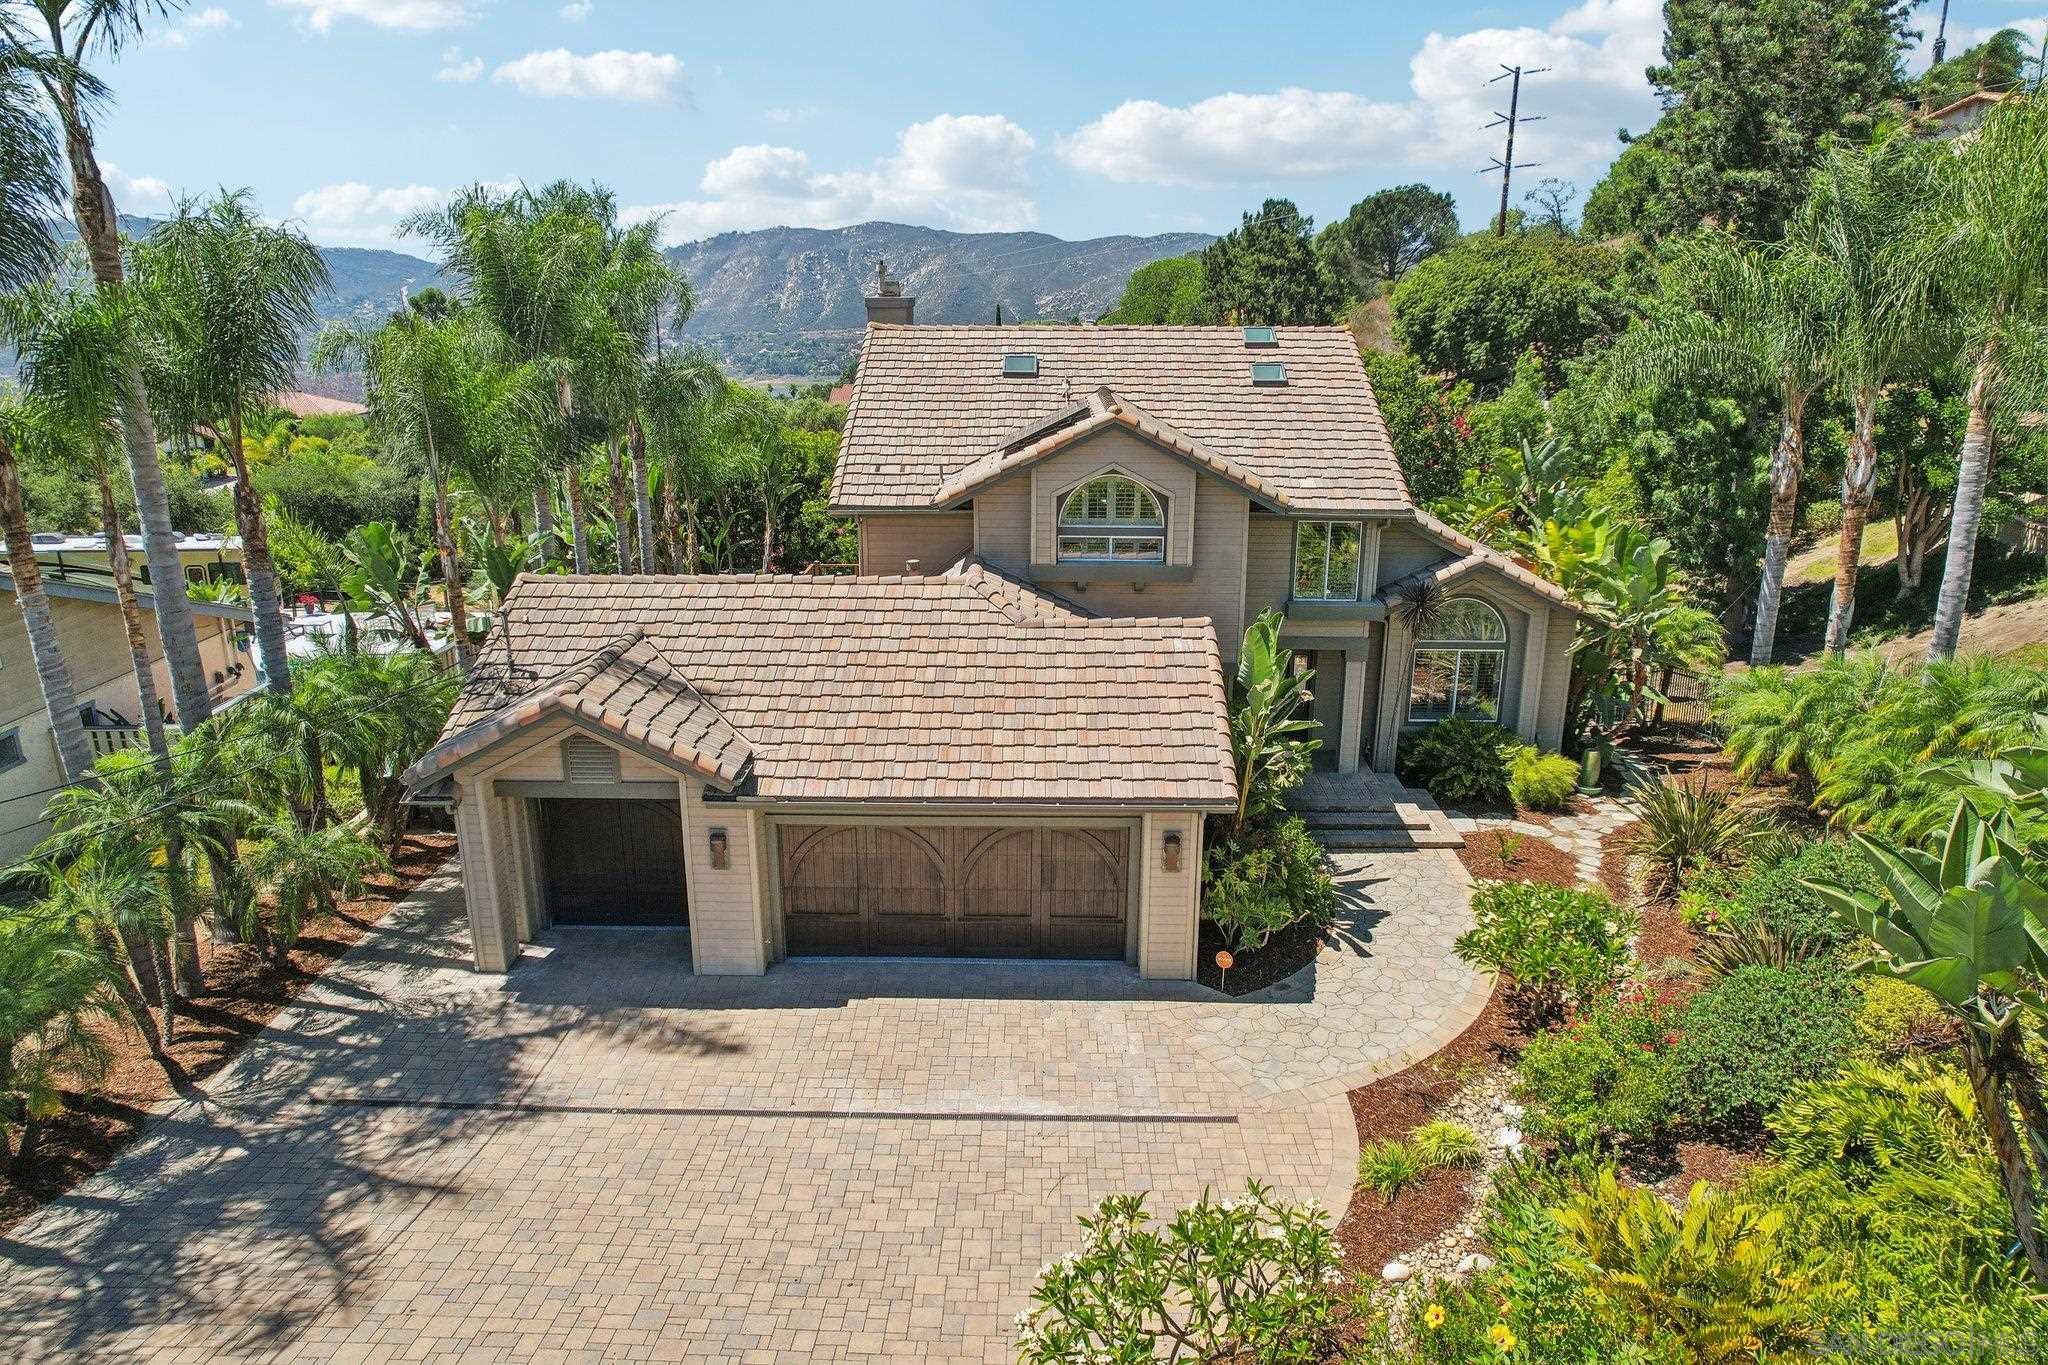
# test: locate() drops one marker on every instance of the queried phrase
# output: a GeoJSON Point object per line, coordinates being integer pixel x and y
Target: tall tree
{"type": "Point", "coordinates": [1752, 90]}
{"type": "Point", "coordinates": [1762, 316]}
{"type": "Point", "coordinates": [1984, 243]}
{"type": "Point", "coordinates": [54, 37]}
{"type": "Point", "coordinates": [1168, 291]}
{"type": "Point", "coordinates": [684, 396]}
{"type": "Point", "coordinates": [1856, 225]}
{"type": "Point", "coordinates": [1387, 234]}
{"type": "Point", "coordinates": [1998, 63]}
{"type": "Point", "coordinates": [60, 698]}
{"type": "Point", "coordinates": [1267, 272]}
{"type": "Point", "coordinates": [231, 298]}
{"type": "Point", "coordinates": [1476, 309]}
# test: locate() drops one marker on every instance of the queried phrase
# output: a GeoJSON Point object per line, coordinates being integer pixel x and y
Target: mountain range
{"type": "Point", "coordinates": [785, 303]}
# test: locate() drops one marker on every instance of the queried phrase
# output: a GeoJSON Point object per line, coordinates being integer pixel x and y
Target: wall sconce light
{"type": "Point", "coordinates": [721, 850]}
{"type": "Point", "coordinates": [1169, 855]}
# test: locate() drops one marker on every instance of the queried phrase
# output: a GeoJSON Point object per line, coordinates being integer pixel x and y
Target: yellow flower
{"type": "Point", "coordinates": [1502, 1337]}
{"type": "Point", "coordinates": [1504, 1308]}
{"type": "Point", "coordinates": [1433, 1316]}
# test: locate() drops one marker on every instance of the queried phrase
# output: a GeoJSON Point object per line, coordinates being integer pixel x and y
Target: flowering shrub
{"type": "Point", "coordinates": [1553, 944]}
{"type": "Point", "coordinates": [1242, 1279]}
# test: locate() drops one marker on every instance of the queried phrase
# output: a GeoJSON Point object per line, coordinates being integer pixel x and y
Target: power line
{"type": "Point", "coordinates": [1506, 163]}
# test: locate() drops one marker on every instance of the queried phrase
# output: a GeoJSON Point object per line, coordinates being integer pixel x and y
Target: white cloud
{"type": "Point", "coordinates": [136, 193]}
{"type": "Point", "coordinates": [630, 77]}
{"type": "Point", "coordinates": [212, 19]}
{"type": "Point", "coordinates": [966, 171]}
{"type": "Point", "coordinates": [458, 70]}
{"type": "Point", "coordinates": [350, 213]}
{"type": "Point", "coordinates": [417, 16]}
{"type": "Point", "coordinates": [1596, 52]}
{"type": "Point", "coordinates": [576, 11]}
{"type": "Point", "coordinates": [790, 113]}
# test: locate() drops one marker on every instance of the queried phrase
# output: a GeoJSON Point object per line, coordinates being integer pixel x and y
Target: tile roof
{"type": "Point", "coordinates": [964, 687]}
{"type": "Point", "coordinates": [932, 400]}
{"type": "Point", "coordinates": [1104, 408]}
{"type": "Point", "coordinates": [1473, 555]}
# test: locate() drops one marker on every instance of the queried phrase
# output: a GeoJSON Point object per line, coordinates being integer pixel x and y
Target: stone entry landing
{"type": "Point", "coordinates": [1368, 810]}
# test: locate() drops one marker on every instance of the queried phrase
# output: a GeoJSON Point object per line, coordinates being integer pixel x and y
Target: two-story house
{"type": "Point", "coordinates": [1002, 735]}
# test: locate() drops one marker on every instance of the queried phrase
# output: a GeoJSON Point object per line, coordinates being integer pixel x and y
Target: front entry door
{"type": "Point", "coordinates": [613, 862]}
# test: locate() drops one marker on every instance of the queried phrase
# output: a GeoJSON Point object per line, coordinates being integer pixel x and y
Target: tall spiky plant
{"type": "Point", "coordinates": [1764, 316]}
{"type": "Point", "coordinates": [52, 39]}
{"type": "Point", "coordinates": [1983, 243]}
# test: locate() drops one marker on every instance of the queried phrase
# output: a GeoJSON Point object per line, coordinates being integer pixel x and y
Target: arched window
{"type": "Point", "coordinates": [1460, 658]}
{"type": "Point", "coordinates": [1112, 517]}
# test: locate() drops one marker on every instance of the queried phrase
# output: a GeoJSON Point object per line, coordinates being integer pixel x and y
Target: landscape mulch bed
{"type": "Point", "coordinates": [1284, 954]}
{"type": "Point", "coordinates": [1373, 1231]}
{"type": "Point", "coordinates": [1499, 855]}
{"type": "Point", "coordinates": [243, 991]}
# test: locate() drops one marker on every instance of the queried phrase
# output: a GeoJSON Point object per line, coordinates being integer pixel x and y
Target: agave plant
{"type": "Point", "coordinates": [1688, 826]}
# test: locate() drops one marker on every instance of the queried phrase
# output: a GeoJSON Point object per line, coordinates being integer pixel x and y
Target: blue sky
{"type": "Point", "coordinates": [1078, 119]}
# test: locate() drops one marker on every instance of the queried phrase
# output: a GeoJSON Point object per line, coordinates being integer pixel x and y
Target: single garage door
{"type": "Point", "coordinates": [1015, 891]}
{"type": "Point", "coordinates": [612, 862]}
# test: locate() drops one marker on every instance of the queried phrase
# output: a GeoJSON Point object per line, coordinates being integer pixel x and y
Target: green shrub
{"type": "Point", "coordinates": [1686, 826]}
{"type": "Point", "coordinates": [1771, 890]}
{"type": "Point", "coordinates": [1272, 877]}
{"type": "Point", "coordinates": [1550, 942]}
{"type": "Point", "coordinates": [1246, 1279]}
{"type": "Point", "coordinates": [1386, 1168]}
{"type": "Point", "coordinates": [1441, 1142]}
{"type": "Point", "coordinates": [1895, 1015]}
{"type": "Point", "coordinates": [1754, 1036]}
{"type": "Point", "coordinates": [1604, 1078]}
{"type": "Point", "coordinates": [1889, 1186]}
{"type": "Point", "coordinates": [1459, 762]}
{"type": "Point", "coordinates": [1540, 781]}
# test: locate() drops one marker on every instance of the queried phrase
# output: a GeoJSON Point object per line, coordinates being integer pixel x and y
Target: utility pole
{"type": "Point", "coordinates": [1506, 163]}
{"type": "Point", "coordinates": [1940, 36]}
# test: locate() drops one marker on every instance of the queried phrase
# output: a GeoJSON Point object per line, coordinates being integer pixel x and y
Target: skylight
{"type": "Point", "coordinates": [1260, 336]}
{"type": "Point", "coordinates": [1268, 372]}
{"type": "Point", "coordinates": [1024, 365]}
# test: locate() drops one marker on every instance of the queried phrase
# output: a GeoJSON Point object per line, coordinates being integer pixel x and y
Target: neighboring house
{"type": "Point", "coordinates": [1000, 738]}
{"type": "Point", "coordinates": [1954, 122]}
{"type": "Point", "coordinates": [207, 558]}
{"type": "Point", "coordinates": [299, 403]}
{"type": "Point", "coordinates": [95, 643]}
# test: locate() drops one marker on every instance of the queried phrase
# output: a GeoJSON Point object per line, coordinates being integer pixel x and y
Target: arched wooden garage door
{"type": "Point", "coordinates": [975, 891]}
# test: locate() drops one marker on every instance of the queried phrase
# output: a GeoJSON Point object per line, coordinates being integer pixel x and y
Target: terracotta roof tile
{"type": "Point", "coordinates": [931, 401]}
{"type": "Point", "coordinates": [965, 686]}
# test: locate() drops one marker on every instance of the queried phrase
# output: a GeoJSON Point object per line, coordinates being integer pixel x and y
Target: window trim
{"type": "Point", "coordinates": [1113, 533]}
{"type": "Point", "coordinates": [20, 756]}
{"type": "Point", "coordinates": [1294, 577]}
{"type": "Point", "coordinates": [1458, 648]}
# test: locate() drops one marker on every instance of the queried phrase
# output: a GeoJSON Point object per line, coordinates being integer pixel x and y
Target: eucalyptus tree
{"type": "Point", "coordinates": [51, 39]}
{"type": "Point", "coordinates": [70, 342]}
{"type": "Point", "coordinates": [1983, 242]}
{"type": "Point", "coordinates": [231, 297]}
{"type": "Point", "coordinates": [1764, 316]}
{"type": "Point", "coordinates": [1856, 223]}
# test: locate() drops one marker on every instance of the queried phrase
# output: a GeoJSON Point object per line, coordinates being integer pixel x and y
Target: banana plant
{"type": "Point", "coordinates": [384, 576]}
{"type": "Point", "coordinates": [1966, 920]}
{"type": "Point", "coordinates": [1267, 738]}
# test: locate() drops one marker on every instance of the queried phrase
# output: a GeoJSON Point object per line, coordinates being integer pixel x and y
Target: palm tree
{"type": "Point", "coordinates": [1764, 316]}
{"type": "Point", "coordinates": [115, 902]}
{"type": "Point", "coordinates": [232, 296]}
{"type": "Point", "coordinates": [301, 870]}
{"type": "Point", "coordinates": [20, 423]}
{"type": "Point", "coordinates": [52, 991]}
{"type": "Point", "coordinates": [1984, 244]}
{"type": "Point", "coordinates": [1856, 223]}
{"type": "Point", "coordinates": [381, 712]}
{"type": "Point", "coordinates": [684, 395]}
{"type": "Point", "coordinates": [532, 262]}
{"type": "Point", "coordinates": [31, 185]}
{"type": "Point", "coordinates": [640, 287]}
{"type": "Point", "coordinates": [70, 343]}
{"type": "Point", "coordinates": [55, 56]}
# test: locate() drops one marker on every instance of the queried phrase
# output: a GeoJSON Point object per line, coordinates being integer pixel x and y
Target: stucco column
{"type": "Point", "coordinates": [1353, 725]}
{"type": "Point", "coordinates": [1394, 666]}
{"type": "Point", "coordinates": [1536, 639]}
{"type": "Point", "coordinates": [487, 880]}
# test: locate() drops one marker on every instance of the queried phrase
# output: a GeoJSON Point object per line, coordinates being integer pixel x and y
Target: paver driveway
{"type": "Point", "coordinates": [600, 1157]}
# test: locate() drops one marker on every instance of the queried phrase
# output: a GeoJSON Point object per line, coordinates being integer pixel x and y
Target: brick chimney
{"type": "Point", "coordinates": [887, 303]}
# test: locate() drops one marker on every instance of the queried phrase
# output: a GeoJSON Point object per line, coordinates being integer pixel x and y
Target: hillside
{"type": "Point", "coordinates": [787, 301]}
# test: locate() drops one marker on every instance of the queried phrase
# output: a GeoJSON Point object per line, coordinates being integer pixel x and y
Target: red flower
{"type": "Point", "coordinates": [1671, 1038]}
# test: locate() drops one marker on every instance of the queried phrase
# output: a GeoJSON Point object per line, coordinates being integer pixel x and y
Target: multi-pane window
{"type": "Point", "coordinates": [1460, 658]}
{"type": "Point", "coordinates": [1112, 518]}
{"type": "Point", "coordinates": [1326, 560]}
